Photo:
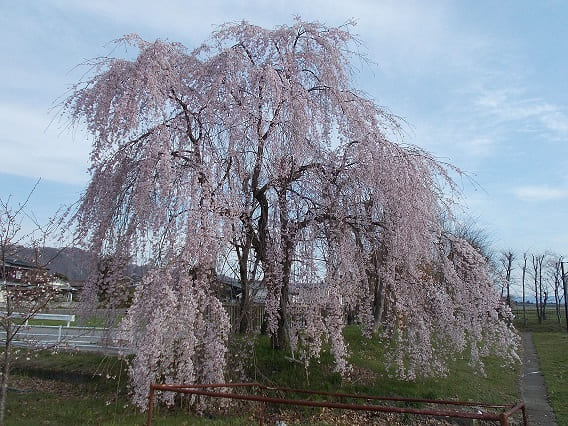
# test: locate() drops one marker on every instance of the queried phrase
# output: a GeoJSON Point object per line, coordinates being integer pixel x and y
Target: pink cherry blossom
{"type": "Point", "coordinates": [255, 148]}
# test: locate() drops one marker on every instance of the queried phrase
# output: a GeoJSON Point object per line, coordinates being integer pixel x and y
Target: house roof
{"type": "Point", "coordinates": [22, 264]}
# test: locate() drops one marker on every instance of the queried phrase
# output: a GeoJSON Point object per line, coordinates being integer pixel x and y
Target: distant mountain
{"type": "Point", "coordinates": [72, 262]}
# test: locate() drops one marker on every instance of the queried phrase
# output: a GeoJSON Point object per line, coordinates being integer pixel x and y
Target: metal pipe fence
{"type": "Point", "coordinates": [501, 412]}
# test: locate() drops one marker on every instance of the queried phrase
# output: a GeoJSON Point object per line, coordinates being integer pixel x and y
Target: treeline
{"type": "Point", "coordinates": [534, 278]}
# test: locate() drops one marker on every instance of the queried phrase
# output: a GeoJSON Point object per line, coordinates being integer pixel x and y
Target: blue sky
{"type": "Point", "coordinates": [481, 84]}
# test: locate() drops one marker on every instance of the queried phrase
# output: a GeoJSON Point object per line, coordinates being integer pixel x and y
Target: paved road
{"type": "Point", "coordinates": [533, 389]}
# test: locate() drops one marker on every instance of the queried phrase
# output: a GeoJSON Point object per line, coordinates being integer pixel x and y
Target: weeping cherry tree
{"type": "Point", "coordinates": [256, 143]}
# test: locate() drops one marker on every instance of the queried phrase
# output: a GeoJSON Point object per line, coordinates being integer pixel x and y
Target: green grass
{"type": "Point", "coordinates": [551, 342]}
{"type": "Point", "coordinates": [496, 385]}
{"type": "Point", "coordinates": [70, 388]}
{"type": "Point", "coordinates": [50, 322]}
{"type": "Point", "coordinates": [552, 349]}
{"type": "Point", "coordinates": [46, 408]}
{"type": "Point", "coordinates": [82, 388]}
{"type": "Point", "coordinates": [72, 363]}
{"type": "Point", "coordinates": [88, 322]}
{"type": "Point", "coordinates": [550, 324]}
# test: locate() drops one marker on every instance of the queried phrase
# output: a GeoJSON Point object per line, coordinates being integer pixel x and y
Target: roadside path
{"type": "Point", "coordinates": [533, 389]}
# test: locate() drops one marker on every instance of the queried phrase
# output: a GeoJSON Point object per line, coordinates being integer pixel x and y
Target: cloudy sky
{"type": "Point", "coordinates": [482, 85]}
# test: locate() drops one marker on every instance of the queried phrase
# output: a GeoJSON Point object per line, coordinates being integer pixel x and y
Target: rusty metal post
{"type": "Point", "coordinates": [261, 417]}
{"type": "Point", "coordinates": [150, 404]}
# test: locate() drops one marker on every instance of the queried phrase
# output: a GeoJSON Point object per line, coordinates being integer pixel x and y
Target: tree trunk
{"type": "Point", "coordinates": [5, 374]}
{"type": "Point", "coordinates": [536, 292]}
{"type": "Point", "coordinates": [376, 285]}
{"type": "Point", "coordinates": [281, 339]}
{"type": "Point", "coordinates": [542, 295]}
{"type": "Point", "coordinates": [244, 308]}
{"type": "Point", "coordinates": [507, 261]}
{"type": "Point", "coordinates": [379, 305]}
{"type": "Point", "coordinates": [557, 292]}
{"type": "Point", "coordinates": [524, 299]}
{"type": "Point", "coordinates": [244, 305]}
{"type": "Point", "coordinates": [557, 304]}
{"type": "Point", "coordinates": [287, 235]}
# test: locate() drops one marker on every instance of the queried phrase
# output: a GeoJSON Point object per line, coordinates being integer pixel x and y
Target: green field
{"type": "Point", "coordinates": [527, 319]}
{"type": "Point", "coordinates": [88, 389]}
{"type": "Point", "coordinates": [551, 341]}
{"type": "Point", "coordinates": [552, 349]}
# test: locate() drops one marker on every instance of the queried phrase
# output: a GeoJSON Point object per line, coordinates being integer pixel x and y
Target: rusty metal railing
{"type": "Point", "coordinates": [210, 390]}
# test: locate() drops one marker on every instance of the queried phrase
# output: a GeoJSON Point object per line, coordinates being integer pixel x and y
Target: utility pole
{"type": "Point", "coordinates": [564, 285]}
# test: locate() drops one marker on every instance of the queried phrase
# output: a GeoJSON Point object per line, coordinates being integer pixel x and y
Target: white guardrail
{"type": "Point", "coordinates": [65, 337]}
{"type": "Point", "coordinates": [53, 317]}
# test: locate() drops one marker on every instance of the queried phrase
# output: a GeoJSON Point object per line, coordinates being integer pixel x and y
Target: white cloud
{"type": "Point", "coordinates": [33, 146]}
{"type": "Point", "coordinates": [508, 106]}
{"type": "Point", "coordinates": [410, 30]}
{"type": "Point", "coordinates": [540, 193]}
{"type": "Point", "coordinates": [480, 146]}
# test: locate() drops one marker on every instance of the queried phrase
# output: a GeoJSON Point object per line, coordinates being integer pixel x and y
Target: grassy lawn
{"type": "Point", "coordinates": [89, 322]}
{"type": "Point", "coordinates": [551, 342]}
{"type": "Point", "coordinates": [88, 389]}
{"type": "Point", "coordinates": [552, 349]}
{"type": "Point", "coordinates": [529, 314]}
{"type": "Point", "coordinates": [81, 389]}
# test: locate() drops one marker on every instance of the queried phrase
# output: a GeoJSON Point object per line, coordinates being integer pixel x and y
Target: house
{"type": "Point", "coordinates": [20, 275]}
{"type": "Point", "coordinates": [230, 289]}
{"type": "Point", "coordinates": [63, 287]}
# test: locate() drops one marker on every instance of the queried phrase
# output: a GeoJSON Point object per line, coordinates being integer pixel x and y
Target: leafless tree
{"type": "Point", "coordinates": [524, 271]}
{"type": "Point", "coordinates": [507, 257]}
{"type": "Point", "coordinates": [540, 293]}
{"type": "Point", "coordinates": [555, 276]}
{"type": "Point", "coordinates": [22, 298]}
{"type": "Point", "coordinates": [477, 237]}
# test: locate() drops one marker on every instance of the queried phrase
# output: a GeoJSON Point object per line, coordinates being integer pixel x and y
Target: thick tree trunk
{"type": "Point", "coordinates": [244, 306]}
{"type": "Point", "coordinates": [244, 309]}
{"type": "Point", "coordinates": [376, 286]}
{"type": "Point", "coordinates": [281, 339]}
{"type": "Point", "coordinates": [379, 305]}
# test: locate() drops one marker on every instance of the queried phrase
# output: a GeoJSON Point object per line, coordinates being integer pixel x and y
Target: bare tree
{"type": "Point", "coordinates": [24, 293]}
{"type": "Point", "coordinates": [506, 259]}
{"type": "Point", "coordinates": [524, 271]}
{"type": "Point", "coordinates": [476, 236]}
{"type": "Point", "coordinates": [554, 275]}
{"type": "Point", "coordinates": [539, 287]}
{"type": "Point", "coordinates": [563, 278]}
